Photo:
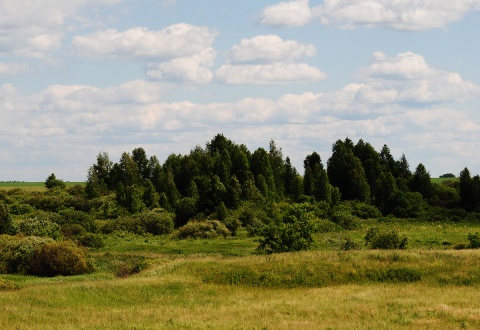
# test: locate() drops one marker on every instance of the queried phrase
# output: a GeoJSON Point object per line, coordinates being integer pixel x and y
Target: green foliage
{"type": "Point", "coordinates": [91, 240]}
{"type": "Point", "coordinates": [292, 233]}
{"type": "Point", "coordinates": [17, 252]}
{"type": "Point", "coordinates": [5, 219]}
{"type": "Point", "coordinates": [202, 229]}
{"type": "Point", "coordinates": [71, 216]}
{"type": "Point", "coordinates": [155, 222]}
{"type": "Point", "coordinates": [346, 172]}
{"type": "Point", "coordinates": [377, 238]}
{"type": "Point", "coordinates": [59, 258]}
{"type": "Point", "coordinates": [344, 218]}
{"type": "Point", "coordinates": [474, 240]}
{"type": "Point", "coordinates": [52, 182]}
{"type": "Point", "coordinates": [184, 211]}
{"type": "Point", "coordinates": [38, 224]}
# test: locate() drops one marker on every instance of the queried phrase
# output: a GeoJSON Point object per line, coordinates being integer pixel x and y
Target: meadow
{"type": "Point", "coordinates": [225, 284]}
{"type": "Point", "coordinates": [160, 282]}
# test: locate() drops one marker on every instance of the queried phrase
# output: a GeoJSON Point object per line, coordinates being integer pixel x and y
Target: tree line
{"type": "Point", "coordinates": [224, 174]}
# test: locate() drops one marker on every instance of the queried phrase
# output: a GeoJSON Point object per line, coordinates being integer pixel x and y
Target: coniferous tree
{"type": "Point", "coordinates": [346, 172]}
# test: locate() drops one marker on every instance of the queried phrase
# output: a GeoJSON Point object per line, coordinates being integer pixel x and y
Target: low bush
{"type": "Point", "coordinates": [38, 224]}
{"type": "Point", "coordinates": [59, 258]}
{"type": "Point", "coordinates": [345, 220]}
{"type": "Point", "coordinates": [202, 229]}
{"type": "Point", "coordinates": [155, 222]}
{"type": "Point", "coordinates": [17, 252]}
{"type": "Point", "coordinates": [474, 240]}
{"type": "Point", "coordinates": [91, 240]}
{"type": "Point", "coordinates": [377, 238]}
{"type": "Point", "coordinates": [292, 233]}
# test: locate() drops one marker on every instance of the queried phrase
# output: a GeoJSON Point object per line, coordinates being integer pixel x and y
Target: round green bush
{"type": "Point", "coordinates": [59, 258]}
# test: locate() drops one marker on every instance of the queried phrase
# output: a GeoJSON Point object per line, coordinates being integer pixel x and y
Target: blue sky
{"type": "Point", "coordinates": [81, 77]}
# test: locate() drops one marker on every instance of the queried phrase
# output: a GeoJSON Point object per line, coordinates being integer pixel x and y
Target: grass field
{"type": "Point", "coordinates": [217, 292]}
{"type": "Point", "coordinates": [31, 186]}
{"type": "Point", "coordinates": [226, 284]}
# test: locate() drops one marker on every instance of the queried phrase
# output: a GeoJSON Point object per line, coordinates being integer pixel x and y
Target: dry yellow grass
{"type": "Point", "coordinates": [170, 296]}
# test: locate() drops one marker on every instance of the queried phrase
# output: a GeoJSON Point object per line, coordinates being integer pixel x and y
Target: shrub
{"type": "Point", "coordinates": [38, 225]}
{"type": "Point", "coordinates": [91, 240]}
{"type": "Point", "coordinates": [203, 229]}
{"type": "Point", "coordinates": [17, 252]}
{"type": "Point", "coordinates": [59, 258]}
{"type": "Point", "coordinates": [345, 220]}
{"type": "Point", "coordinates": [156, 222]}
{"type": "Point", "coordinates": [71, 216]}
{"type": "Point", "coordinates": [474, 240]}
{"type": "Point", "coordinates": [365, 211]}
{"type": "Point", "coordinates": [343, 243]}
{"type": "Point", "coordinates": [5, 219]}
{"type": "Point", "coordinates": [292, 233]}
{"type": "Point", "coordinates": [20, 209]}
{"type": "Point", "coordinates": [378, 238]}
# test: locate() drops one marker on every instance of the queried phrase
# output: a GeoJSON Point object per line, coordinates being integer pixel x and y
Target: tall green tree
{"type": "Point", "coordinates": [315, 179]}
{"type": "Point", "coordinates": [421, 182]}
{"type": "Point", "coordinates": [346, 172]}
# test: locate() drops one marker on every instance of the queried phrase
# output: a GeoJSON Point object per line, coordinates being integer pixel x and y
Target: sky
{"type": "Point", "coordinates": [81, 77]}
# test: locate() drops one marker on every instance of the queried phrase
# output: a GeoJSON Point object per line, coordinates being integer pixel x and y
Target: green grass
{"type": "Point", "coordinates": [226, 284]}
{"type": "Point", "coordinates": [307, 290]}
{"type": "Point", "coordinates": [441, 180]}
{"type": "Point", "coordinates": [31, 186]}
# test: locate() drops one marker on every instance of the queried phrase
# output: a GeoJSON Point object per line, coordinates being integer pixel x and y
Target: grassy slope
{"type": "Point", "coordinates": [181, 293]}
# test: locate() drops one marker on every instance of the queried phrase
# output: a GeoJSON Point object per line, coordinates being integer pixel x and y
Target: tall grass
{"type": "Point", "coordinates": [183, 293]}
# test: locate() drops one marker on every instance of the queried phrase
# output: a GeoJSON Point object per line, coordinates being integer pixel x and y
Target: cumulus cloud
{"type": "Point", "coordinates": [395, 14]}
{"type": "Point", "coordinates": [70, 124]}
{"type": "Point", "coordinates": [278, 73]}
{"type": "Point", "coordinates": [178, 40]}
{"type": "Point", "coordinates": [290, 13]}
{"type": "Point", "coordinates": [180, 53]}
{"type": "Point", "coordinates": [408, 78]}
{"type": "Point", "coordinates": [268, 59]}
{"type": "Point", "coordinates": [269, 48]}
{"type": "Point", "coordinates": [193, 69]}
{"type": "Point", "coordinates": [36, 28]}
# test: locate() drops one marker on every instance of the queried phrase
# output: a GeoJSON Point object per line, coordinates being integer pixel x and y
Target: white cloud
{"type": "Point", "coordinates": [277, 73]}
{"type": "Point", "coordinates": [269, 48]}
{"type": "Point", "coordinates": [410, 15]}
{"type": "Point", "coordinates": [408, 78]}
{"type": "Point", "coordinates": [268, 59]}
{"type": "Point", "coordinates": [193, 69]}
{"type": "Point", "coordinates": [179, 53]}
{"type": "Point", "coordinates": [36, 28]}
{"type": "Point", "coordinates": [178, 40]}
{"type": "Point", "coordinates": [290, 13]}
{"type": "Point", "coordinates": [70, 124]}
{"type": "Point", "coordinates": [394, 14]}
{"type": "Point", "coordinates": [9, 68]}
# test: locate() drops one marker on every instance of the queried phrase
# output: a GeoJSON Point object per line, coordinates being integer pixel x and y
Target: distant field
{"type": "Point", "coordinates": [30, 186]}
{"type": "Point", "coordinates": [440, 180]}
